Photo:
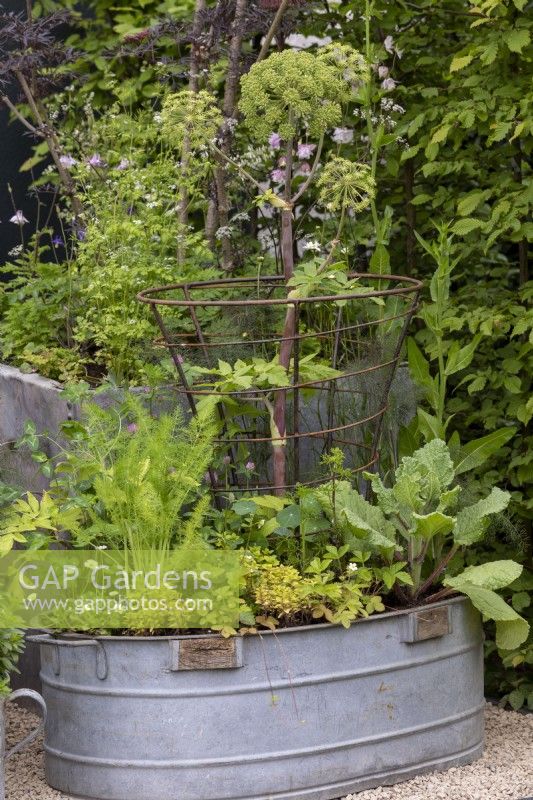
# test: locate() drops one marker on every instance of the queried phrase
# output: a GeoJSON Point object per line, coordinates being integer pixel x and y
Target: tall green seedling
{"type": "Point", "coordinates": [444, 358]}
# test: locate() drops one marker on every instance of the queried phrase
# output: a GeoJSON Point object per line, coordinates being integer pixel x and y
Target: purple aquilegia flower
{"type": "Point", "coordinates": [250, 466]}
{"type": "Point", "coordinates": [274, 141]}
{"type": "Point", "coordinates": [306, 150]}
{"type": "Point", "coordinates": [57, 241]}
{"type": "Point", "coordinates": [132, 428]}
{"type": "Point", "coordinates": [80, 234]}
{"type": "Point", "coordinates": [18, 218]}
{"type": "Point", "coordinates": [67, 161]}
{"type": "Point", "coordinates": [388, 84]}
{"type": "Point", "coordinates": [96, 160]}
{"type": "Point", "coordinates": [342, 135]}
{"type": "Point", "coordinates": [124, 164]}
{"type": "Point", "coordinates": [383, 72]}
{"type": "Point", "coordinates": [278, 175]}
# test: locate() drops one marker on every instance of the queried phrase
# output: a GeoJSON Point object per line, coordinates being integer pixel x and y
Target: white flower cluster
{"type": "Point", "coordinates": [225, 232]}
{"type": "Point", "coordinates": [242, 216]}
{"type": "Point", "coordinates": [313, 245]}
{"type": "Point", "coordinates": [255, 157]}
{"type": "Point", "coordinates": [387, 104]}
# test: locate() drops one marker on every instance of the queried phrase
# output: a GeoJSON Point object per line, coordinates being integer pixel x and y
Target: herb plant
{"type": "Point", "coordinates": [125, 481]}
{"type": "Point", "coordinates": [422, 521]}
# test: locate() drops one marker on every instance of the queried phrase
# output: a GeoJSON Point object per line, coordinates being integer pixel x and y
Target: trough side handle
{"type": "Point", "coordinates": [40, 727]}
{"type": "Point", "coordinates": [45, 638]}
{"type": "Point", "coordinates": [101, 658]}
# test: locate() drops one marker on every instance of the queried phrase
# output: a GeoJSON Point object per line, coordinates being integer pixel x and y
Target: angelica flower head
{"type": "Point", "coordinates": [190, 116]}
{"type": "Point", "coordinates": [346, 184]}
{"type": "Point", "coordinates": [290, 91]}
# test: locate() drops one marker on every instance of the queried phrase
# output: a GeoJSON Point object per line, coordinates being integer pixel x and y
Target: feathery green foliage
{"type": "Point", "coordinates": [125, 480]}
{"type": "Point", "coordinates": [147, 476]}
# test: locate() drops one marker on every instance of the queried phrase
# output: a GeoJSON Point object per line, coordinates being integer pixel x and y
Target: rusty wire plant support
{"type": "Point", "coordinates": [359, 335]}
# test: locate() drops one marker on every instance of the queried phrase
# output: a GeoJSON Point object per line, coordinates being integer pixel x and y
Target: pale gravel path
{"type": "Point", "coordinates": [505, 772]}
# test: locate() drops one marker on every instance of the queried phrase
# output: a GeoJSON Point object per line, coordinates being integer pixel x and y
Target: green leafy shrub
{"type": "Point", "coordinates": [82, 317]}
{"type": "Point", "coordinates": [37, 308]}
{"type": "Point", "coordinates": [11, 645]}
{"type": "Point", "coordinates": [422, 519]}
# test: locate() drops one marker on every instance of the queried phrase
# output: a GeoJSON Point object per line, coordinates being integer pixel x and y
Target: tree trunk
{"type": "Point", "coordinates": [194, 83]}
{"type": "Point", "coordinates": [229, 110]}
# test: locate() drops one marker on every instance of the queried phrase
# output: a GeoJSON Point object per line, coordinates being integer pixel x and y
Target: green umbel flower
{"type": "Point", "coordinates": [349, 62]}
{"type": "Point", "coordinates": [192, 117]}
{"type": "Point", "coordinates": [346, 184]}
{"type": "Point", "coordinates": [292, 90]}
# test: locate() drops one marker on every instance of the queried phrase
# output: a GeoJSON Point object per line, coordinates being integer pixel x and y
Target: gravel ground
{"type": "Point", "coordinates": [504, 773]}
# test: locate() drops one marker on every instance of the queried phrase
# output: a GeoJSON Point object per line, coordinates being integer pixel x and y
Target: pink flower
{"type": "Point", "coordinates": [388, 84]}
{"type": "Point", "coordinates": [226, 460]}
{"type": "Point", "coordinates": [274, 141]}
{"type": "Point", "coordinates": [305, 168]}
{"type": "Point", "coordinates": [95, 160]}
{"type": "Point", "coordinates": [388, 44]}
{"type": "Point", "coordinates": [124, 164]}
{"type": "Point", "coordinates": [67, 161]}
{"type": "Point", "coordinates": [390, 47]}
{"type": "Point", "coordinates": [342, 135]}
{"type": "Point", "coordinates": [278, 175]}
{"type": "Point", "coordinates": [306, 150]}
{"type": "Point", "coordinates": [383, 72]}
{"type": "Point", "coordinates": [132, 427]}
{"type": "Point", "coordinates": [250, 466]}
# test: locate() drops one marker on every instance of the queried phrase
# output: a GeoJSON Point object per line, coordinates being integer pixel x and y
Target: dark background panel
{"type": "Point", "coordinates": [15, 148]}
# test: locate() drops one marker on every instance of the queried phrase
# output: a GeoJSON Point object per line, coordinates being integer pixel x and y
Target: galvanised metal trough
{"type": "Point", "coordinates": [306, 713]}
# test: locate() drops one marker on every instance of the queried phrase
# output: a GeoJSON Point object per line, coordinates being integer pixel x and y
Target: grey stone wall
{"type": "Point", "coordinates": [27, 397]}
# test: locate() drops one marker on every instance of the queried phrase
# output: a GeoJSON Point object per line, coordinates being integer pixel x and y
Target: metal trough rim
{"type": "Point", "coordinates": [47, 637]}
